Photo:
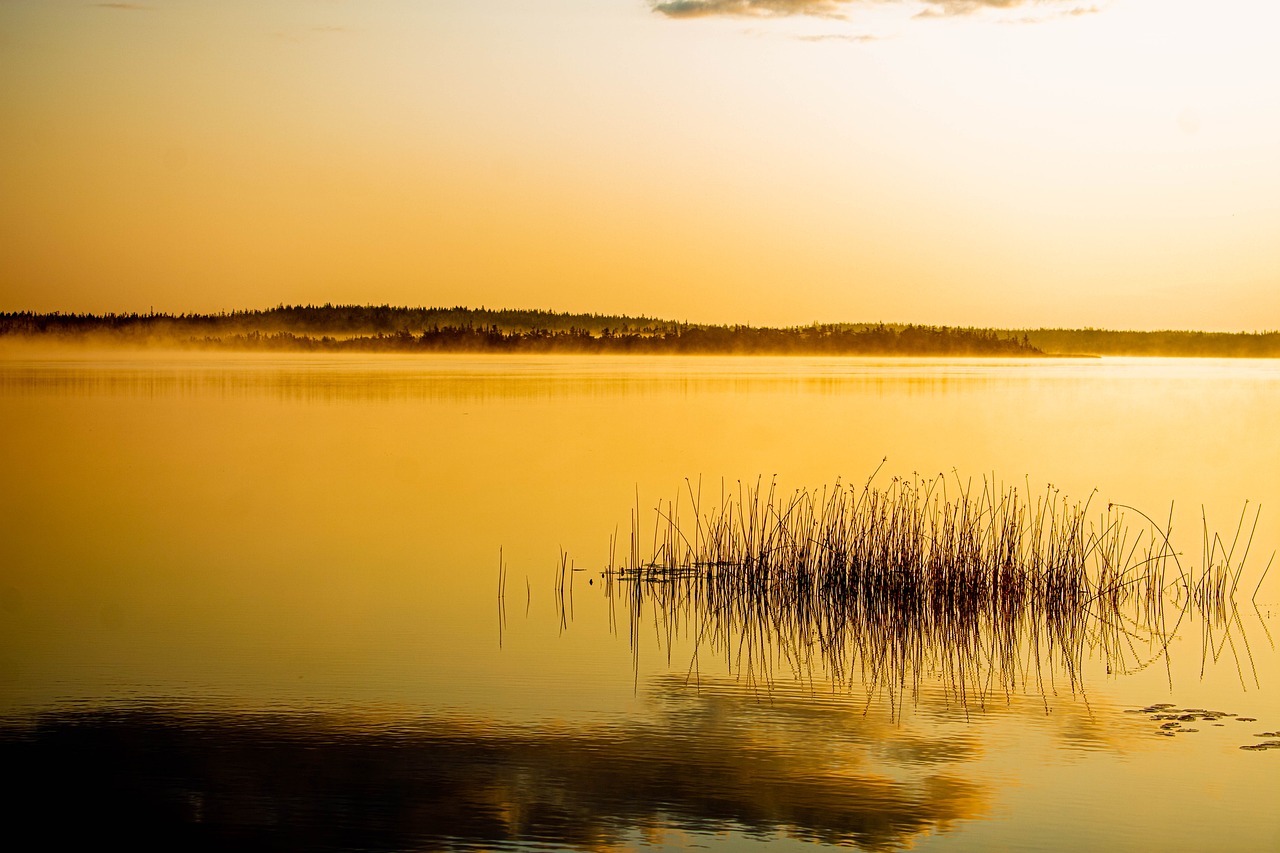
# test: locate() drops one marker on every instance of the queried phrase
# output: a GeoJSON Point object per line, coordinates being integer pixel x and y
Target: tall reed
{"type": "Point", "coordinates": [987, 588]}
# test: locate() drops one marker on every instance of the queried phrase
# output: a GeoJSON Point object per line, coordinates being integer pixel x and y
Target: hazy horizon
{"type": "Point", "coordinates": [572, 312]}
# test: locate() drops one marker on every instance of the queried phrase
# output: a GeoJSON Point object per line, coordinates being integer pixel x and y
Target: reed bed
{"type": "Point", "coordinates": [976, 583]}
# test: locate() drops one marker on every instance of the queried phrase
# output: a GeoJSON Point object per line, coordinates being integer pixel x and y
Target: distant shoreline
{"type": "Point", "coordinates": [374, 329]}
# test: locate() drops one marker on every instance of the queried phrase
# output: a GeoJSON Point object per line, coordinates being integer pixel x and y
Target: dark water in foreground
{"type": "Point", "coordinates": [280, 782]}
{"type": "Point", "coordinates": [251, 603]}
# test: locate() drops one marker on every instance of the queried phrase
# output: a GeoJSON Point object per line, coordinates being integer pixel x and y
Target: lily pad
{"type": "Point", "coordinates": [1259, 747]}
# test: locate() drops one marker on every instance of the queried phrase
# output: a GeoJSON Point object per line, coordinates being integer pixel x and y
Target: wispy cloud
{"type": "Point", "coordinates": [706, 8]}
{"type": "Point", "coordinates": [950, 8]}
{"type": "Point", "coordinates": [954, 8]}
{"type": "Point", "coordinates": [853, 37]}
{"type": "Point", "coordinates": [1072, 12]}
{"type": "Point", "coordinates": [840, 8]}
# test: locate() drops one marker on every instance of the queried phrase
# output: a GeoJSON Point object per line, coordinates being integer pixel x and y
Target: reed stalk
{"type": "Point", "coordinates": [988, 589]}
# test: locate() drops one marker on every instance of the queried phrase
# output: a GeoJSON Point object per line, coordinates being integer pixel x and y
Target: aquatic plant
{"type": "Point", "coordinates": [972, 582]}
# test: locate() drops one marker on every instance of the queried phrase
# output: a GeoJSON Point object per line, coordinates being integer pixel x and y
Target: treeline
{"type": "Point", "coordinates": [460, 329]}
{"type": "Point", "coordinates": [384, 328]}
{"type": "Point", "coordinates": [1162, 343]}
{"type": "Point", "coordinates": [327, 319]}
{"type": "Point", "coordinates": [680, 340]}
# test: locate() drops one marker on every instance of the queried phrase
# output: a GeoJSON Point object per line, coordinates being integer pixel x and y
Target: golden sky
{"type": "Point", "coordinates": [977, 162]}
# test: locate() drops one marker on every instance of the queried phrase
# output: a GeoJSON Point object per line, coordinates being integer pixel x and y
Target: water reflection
{"type": "Point", "coordinates": [877, 588]}
{"type": "Point", "coordinates": [972, 661]}
{"type": "Point", "coordinates": [710, 761]}
{"type": "Point", "coordinates": [477, 379]}
{"type": "Point", "coordinates": [187, 528]}
{"type": "Point", "coordinates": [387, 378]}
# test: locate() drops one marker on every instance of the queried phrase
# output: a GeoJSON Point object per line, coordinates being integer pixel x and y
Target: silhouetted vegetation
{"type": "Point", "coordinates": [884, 586]}
{"type": "Point", "coordinates": [387, 328]}
{"type": "Point", "coordinates": [680, 340]}
{"type": "Point", "coordinates": [335, 321]}
{"type": "Point", "coordinates": [349, 328]}
{"type": "Point", "coordinates": [1162, 343]}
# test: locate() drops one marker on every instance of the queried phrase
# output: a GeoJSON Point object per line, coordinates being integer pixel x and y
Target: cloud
{"type": "Point", "coordinates": [953, 8]}
{"type": "Point", "coordinates": [949, 8]}
{"type": "Point", "coordinates": [837, 8]}
{"type": "Point", "coordinates": [853, 37]}
{"type": "Point", "coordinates": [706, 8]}
{"type": "Point", "coordinates": [1073, 12]}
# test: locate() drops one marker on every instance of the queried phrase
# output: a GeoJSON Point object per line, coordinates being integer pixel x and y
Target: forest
{"type": "Point", "coordinates": [354, 328]}
{"type": "Point", "coordinates": [386, 328]}
{"type": "Point", "coordinates": [1157, 343]}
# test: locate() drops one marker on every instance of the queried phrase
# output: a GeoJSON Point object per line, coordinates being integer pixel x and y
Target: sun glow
{"type": "Point", "coordinates": [942, 162]}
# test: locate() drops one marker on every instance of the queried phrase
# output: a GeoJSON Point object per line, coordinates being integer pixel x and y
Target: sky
{"type": "Point", "coordinates": [1010, 163]}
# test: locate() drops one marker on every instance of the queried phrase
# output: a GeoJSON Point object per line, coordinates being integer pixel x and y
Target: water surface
{"type": "Point", "coordinates": [252, 600]}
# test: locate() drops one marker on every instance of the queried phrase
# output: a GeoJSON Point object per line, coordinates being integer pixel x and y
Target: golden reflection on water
{"type": "Point", "coordinates": [208, 499]}
{"type": "Point", "coordinates": [712, 766]}
{"type": "Point", "coordinates": [308, 532]}
{"type": "Point", "coordinates": [712, 762]}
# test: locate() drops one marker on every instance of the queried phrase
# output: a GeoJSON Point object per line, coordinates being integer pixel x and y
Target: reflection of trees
{"type": "Point", "coordinates": [712, 762]}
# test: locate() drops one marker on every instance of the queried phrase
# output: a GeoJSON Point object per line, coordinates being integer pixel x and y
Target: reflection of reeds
{"type": "Point", "coordinates": [989, 590]}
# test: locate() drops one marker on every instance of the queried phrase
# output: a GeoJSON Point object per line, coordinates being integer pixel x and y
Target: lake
{"type": "Point", "coordinates": [330, 602]}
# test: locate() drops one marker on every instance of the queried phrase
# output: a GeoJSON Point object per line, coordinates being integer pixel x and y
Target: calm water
{"type": "Point", "coordinates": [252, 601]}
